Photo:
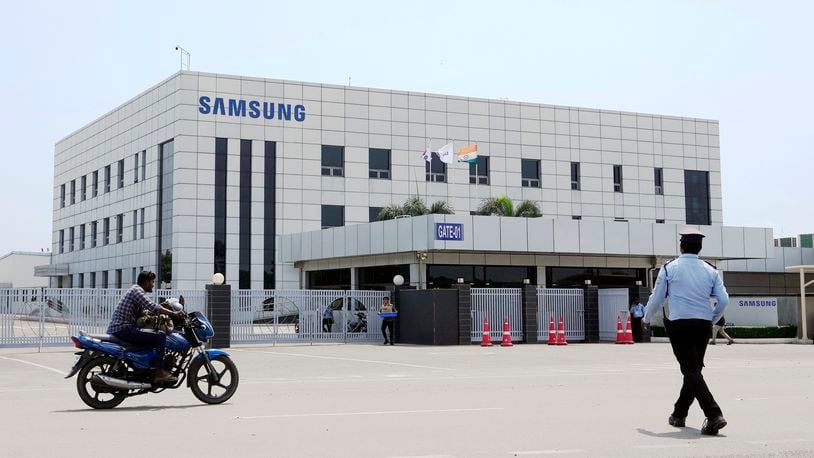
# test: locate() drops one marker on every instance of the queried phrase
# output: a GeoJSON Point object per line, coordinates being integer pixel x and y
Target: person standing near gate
{"type": "Point", "coordinates": [637, 313]}
{"type": "Point", "coordinates": [388, 323]}
{"type": "Point", "coordinates": [688, 282]}
{"type": "Point", "coordinates": [327, 319]}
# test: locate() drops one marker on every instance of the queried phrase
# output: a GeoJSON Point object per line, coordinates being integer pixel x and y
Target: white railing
{"type": "Point", "coordinates": [289, 316]}
{"type": "Point", "coordinates": [556, 302]}
{"type": "Point", "coordinates": [497, 304]}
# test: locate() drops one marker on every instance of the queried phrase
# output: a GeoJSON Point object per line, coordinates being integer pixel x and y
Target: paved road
{"type": "Point", "coordinates": [402, 401]}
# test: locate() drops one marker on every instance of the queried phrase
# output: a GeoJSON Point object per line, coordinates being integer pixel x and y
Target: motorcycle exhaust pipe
{"type": "Point", "coordinates": [121, 384]}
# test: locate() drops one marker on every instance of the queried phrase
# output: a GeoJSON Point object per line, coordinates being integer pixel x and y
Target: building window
{"type": "Point", "coordinates": [333, 216]}
{"type": "Point", "coordinates": [141, 228]}
{"type": "Point", "coordinates": [93, 232]}
{"type": "Point", "coordinates": [135, 224]}
{"type": "Point", "coordinates": [479, 171]}
{"type": "Point", "coordinates": [530, 169]}
{"type": "Point", "coordinates": [333, 161]}
{"type": "Point", "coordinates": [72, 235]}
{"type": "Point", "coordinates": [92, 279]}
{"type": "Point", "coordinates": [106, 231]}
{"type": "Point", "coordinates": [617, 178]}
{"type": "Point", "coordinates": [107, 178]}
{"type": "Point", "coordinates": [73, 192]}
{"type": "Point", "coordinates": [82, 237]}
{"type": "Point", "coordinates": [166, 154]}
{"type": "Point", "coordinates": [575, 176]}
{"type": "Point", "coordinates": [658, 178]}
{"type": "Point", "coordinates": [62, 196]}
{"type": "Point", "coordinates": [61, 241]}
{"type": "Point", "coordinates": [379, 163]}
{"type": "Point", "coordinates": [269, 213]}
{"type": "Point", "coordinates": [221, 150]}
{"type": "Point", "coordinates": [696, 197]}
{"type": "Point", "coordinates": [576, 217]}
{"type": "Point", "coordinates": [135, 169]}
{"type": "Point", "coordinates": [435, 170]}
{"type": "Point", "coordinates": [143, 165]}
{"type": "Point", "coordinates": [81, 280]}
{"type": "Point", "coordinates": [659, 221]}
{"type": "Point", "coordinates": [134, 275]}
{"type": "Point", "coordinates": [373, 213]}
{"type": "Point", "coordinates": [119, 227]}
{"type": "Point", "coordinates": [121, 174]}
{"type": "Point", "coordinates": [105, 283]}
{"type": "Point", "coordinates": [118, 278]}
{"type": "Point", "coordinates": [83, 187]}
{"type": "Point", "coordinates": [95, 184]}
{"type": "Point", "coordinates": [245, 225]}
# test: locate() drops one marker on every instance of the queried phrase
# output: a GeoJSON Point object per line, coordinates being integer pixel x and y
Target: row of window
{"type": "Point", "coordinates": [333, 164]}
{"type": "Point", "coordinates": [138, 232]}
{"type": "Point", "coordinates": [139, 163]}
{"type": "Point", "coordinates": [103, 279]}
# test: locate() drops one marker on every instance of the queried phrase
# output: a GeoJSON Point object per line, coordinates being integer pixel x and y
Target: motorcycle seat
{"type": "Point", "coordinates": [114, 339]}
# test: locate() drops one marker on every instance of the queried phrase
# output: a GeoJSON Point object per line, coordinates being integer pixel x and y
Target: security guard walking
{"type": "Point", "coordinates": [688, 282]}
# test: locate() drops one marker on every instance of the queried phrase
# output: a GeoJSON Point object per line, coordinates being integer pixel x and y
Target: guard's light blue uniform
{"type": "Point", "coordinates": [688, 282]}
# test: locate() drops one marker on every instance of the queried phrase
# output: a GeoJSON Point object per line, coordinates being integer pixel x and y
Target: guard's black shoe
{"type": "Point", "coordinates": [678, 422]}
{"type": "Point", "coordinates": [711, 426]}
{"type": "Point", "coordinates": [385, 342]}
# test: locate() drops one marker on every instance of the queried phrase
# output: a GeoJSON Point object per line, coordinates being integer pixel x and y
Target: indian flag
{"type": "Point", "coordinates": [468, 154]}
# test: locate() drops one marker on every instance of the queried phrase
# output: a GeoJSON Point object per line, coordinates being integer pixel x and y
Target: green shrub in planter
{"type": "Point", "coordinates": [747, 332]}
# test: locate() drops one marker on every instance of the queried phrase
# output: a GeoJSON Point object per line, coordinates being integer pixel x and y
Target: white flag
{"type": "Point", "coordinates": [426, 155]}
{"type": "Point", "coordinates": [447, 153]}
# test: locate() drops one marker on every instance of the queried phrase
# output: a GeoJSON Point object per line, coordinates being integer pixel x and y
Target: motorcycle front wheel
{"type": "Point", "coordinates": [94, 393]}
{"type": "Point", "coordinates": [216, 387]}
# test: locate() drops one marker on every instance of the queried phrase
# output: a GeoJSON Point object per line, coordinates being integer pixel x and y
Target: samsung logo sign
{"type": "Point", "coordinates": [251, 108]}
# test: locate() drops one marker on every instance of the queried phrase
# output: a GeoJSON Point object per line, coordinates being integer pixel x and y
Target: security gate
{"type": "Point", "coordinates": [561, 302]}
{"type": "Point", "coordinates": [613, 302]}
{"type": "Point", "coordinates": [497, 304]}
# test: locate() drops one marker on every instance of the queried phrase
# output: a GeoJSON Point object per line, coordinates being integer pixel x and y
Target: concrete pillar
{"type": "Point", "coordinates": [415, 275]}
{"type": "Point", "coordinates": [529, 310]}
{"type": "Point", "coordinates": [464, 313]}
{"type": "Point", "coordinates": [541, 280]}
{"type": "Point", "coordinates": [591, 314]}
{"type": "Point", "coordinates": [219, 312]}
{"type": "Point", "coordinates": [354, 278]}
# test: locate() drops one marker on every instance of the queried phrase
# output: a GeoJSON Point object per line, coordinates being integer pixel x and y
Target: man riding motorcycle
{"type": "Point", "coordinates": [133, 304]}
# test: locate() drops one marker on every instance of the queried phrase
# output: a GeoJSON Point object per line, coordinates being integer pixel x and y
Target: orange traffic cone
{"type": "Point", "coordinates": [620, 334]}
{"type": "Point", "coordinates": [561, 333]}
{"type": "Point", "coordinates": [552, 332]}
{"type": "Point", "coordinates": [628, 332]}
{"type": "Point", "coordinates": [487, 339]}
{"type": "Point", "coordinates": [507, 335]}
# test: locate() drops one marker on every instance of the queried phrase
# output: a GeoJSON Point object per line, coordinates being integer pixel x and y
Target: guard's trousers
{"type": "Point", "coordinates": [689, 341]}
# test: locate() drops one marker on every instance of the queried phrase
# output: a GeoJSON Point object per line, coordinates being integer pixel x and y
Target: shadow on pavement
{"type": "Point", "coordinates": [682, 434]}
{"type": "Point", "coordinates": [136, 408]}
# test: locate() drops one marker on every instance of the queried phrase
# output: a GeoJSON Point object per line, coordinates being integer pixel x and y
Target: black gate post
{"type": "Point", "coordinates": [219, 312]}
{"type": "Point", "coordinates": [591, 314]}
{"type": "Point", "coordinates": [464, 313]}
{"type": "Point", "coordinates": [529, 310]}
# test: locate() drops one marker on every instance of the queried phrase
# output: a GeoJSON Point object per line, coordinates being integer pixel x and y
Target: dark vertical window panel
{"type": "Point", "coordinates": [696, 197]}
{"type": "Point", "coordinates": [221, 149]}
{"type": "Point", "coordinates": [71, 235]}
{"type": "Point", "coordinates": [93, 232]}
{"type": "Point", "coordinates": [107, 178]}
{"type": "Point", "coordinates": [118, 278]}
{"type": "Point", "coordinates": [119, 227]}
{"type": "Point", "coordinates": [435, 170]}
{"type": "Point", "coordinates": [121, 174]}
{"type": "Point", "coordinates": [165, 207]}
{"type": "Point", "coordinates": [105, 283]}
{"type": "Point", "coordinates": [245, 241]}
{"type": "Point", "coordinates": [143, 165]}
{"type": "Point", "coordinates": [269, 213]}
{"type": "Point", "coordinates": [82, 237]}
{"type": "Point", "coordinates": [83, 188]}
{"type": "Point", "coordinates": [95, 184]}
{"type": "Point", "coordinates": [92, 279]}
{"type": "Point", "coordinates": [379, 163]}
{"type": "Point", "coordinates": [62, 196]}
{"type": "Point", "coordinates": [658, 178]}
{"type": "Point", "coordinates": [530, 173]}
{"type": "Point", "coordinates": [73, 192]}
{"type": "Point", "coordinates": [617, 179]}
{"type": "Point", "coordinates": [81, 280]}
{"type": "Point", "coordinates": [135, 224]}
{"type": "Point", "coordinates": [106, 231]}
{"type": "Point", "coordinates": [135, 169]}
{"type": "Point", "coordinates": [141, 229]}
{"type": "Point", "coordinates": [61, 241]}
{"type": "Point", "coordinates": [479, 171]}
{"type": "Point", "coordinates": [575, 184]}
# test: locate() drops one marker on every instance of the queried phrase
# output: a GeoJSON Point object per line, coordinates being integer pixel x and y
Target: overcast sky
{"type": "Point", "coordinates": [746, 64]}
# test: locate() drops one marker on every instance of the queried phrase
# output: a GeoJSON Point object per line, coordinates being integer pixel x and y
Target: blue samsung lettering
{"type": "Point", "coordinates": [299, 113]}
{"type": "Point", "coordinates": [268, 110]}
{"type": "Point", "coordinates": [204, 102]}
{"type": "Point", "coordinates": [254, 109]}
{"type": "Point", "coordinates": [237, 107]}
{"type": "Point", "coordinates": [284, 112]}
{"type": "Point", "coordinates": [219, 104]}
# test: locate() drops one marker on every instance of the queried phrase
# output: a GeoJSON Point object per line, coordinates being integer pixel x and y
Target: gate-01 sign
{"type": "Point", "coordinates": [449, 231]}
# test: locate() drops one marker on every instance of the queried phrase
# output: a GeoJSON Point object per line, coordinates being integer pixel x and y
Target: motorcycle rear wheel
{"type": "Point", "coordinates": [95, 395]}
{"type": "Point", "coordinates": [208, 390]}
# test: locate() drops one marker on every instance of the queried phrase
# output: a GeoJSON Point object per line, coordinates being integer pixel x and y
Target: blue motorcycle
{"type": "Point", "coordinates": [111, 370]}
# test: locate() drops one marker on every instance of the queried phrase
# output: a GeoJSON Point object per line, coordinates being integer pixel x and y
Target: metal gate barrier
{"type": "Point", "coordinates": [557, 302]}
{"type": "Point", "coordinates": [497, 304]}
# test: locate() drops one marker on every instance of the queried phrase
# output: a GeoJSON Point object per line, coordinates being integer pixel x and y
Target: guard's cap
{"type": "Point", "coordinates": [690, 233]}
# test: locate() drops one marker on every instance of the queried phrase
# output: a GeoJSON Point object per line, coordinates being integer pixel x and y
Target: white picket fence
{"type": "Point", "coordinates": [497, 304]}
{"type": "Point", "coordinates": [561, 302]}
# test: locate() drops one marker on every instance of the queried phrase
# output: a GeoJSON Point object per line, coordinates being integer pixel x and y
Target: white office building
{"type": "Point", "coordinates": [275, 184]}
